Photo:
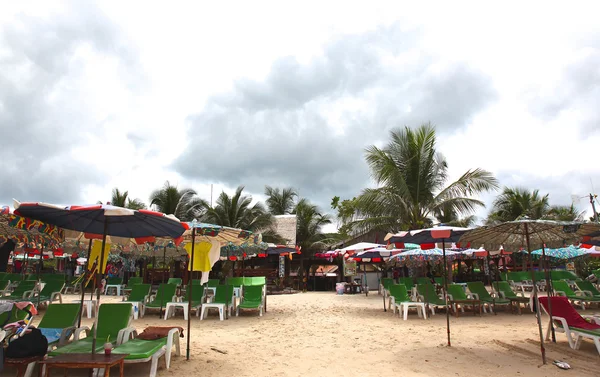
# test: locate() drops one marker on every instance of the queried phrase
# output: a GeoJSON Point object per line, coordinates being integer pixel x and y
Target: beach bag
{"type": "Point", "coordinates": [32, 343]}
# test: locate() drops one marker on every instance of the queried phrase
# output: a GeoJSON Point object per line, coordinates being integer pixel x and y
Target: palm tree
{"type": "Point", "coordinates": [237, 211]}
{"type": "Point", "coordinates": [516, 202]}
{"type": "Point", "coordinates": [565, 213]}
{"type": "Point", "coordinates": [121, 199]}
{"type": "Point", "coordinates": [280, 202]}
{"type": "Point", "coordinates": [447, 216]}
{"type": "Point", "coordinates": [184, 204]}
{"type": "Point", "coordinates": [412, 179]}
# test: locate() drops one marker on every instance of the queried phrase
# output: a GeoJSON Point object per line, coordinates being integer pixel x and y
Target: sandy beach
{"type": "Point", "coordinates": [350, 335]}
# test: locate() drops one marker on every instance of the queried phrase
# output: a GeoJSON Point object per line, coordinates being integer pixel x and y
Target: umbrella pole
{"type": "Point", "coordinates": [162, 296]}
{"type": "Point", "coordinates": [446, 291]}
{"type": "Point", "coordinates": [100, 275]}
{"type": "Point", "coordinates": [190, 287]}
{"type": "Point", "coordinates": [548, 290]}
{"type": "Point", "coordinates": [83, 284]}
{"type": "Point", "coordinates": [535, 299]}
{"type": "Point", "coordinates": [492, 283]}
{"type": "Point", "coordinates": [39, 274]}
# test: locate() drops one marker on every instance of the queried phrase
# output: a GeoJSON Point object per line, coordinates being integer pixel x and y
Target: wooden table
{"type": "Point", "coordinates": [22, 364]}
{"type": "Point", "coordinates": [85, 361]}
{"type": "Point", "coordinates": [474, 303]}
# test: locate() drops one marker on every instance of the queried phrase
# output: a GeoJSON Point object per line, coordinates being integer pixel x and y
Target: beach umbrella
{"type": "Point", "coordinates": [561, 254]}
{"type": "Point", "coordinates": [107, 220]}
{"type": "Point", "coordinates": [427, 237]}
{"type": "Point", "coordinates": [526, 232]}
{"type": "Point", "coordinates": [376, 255]}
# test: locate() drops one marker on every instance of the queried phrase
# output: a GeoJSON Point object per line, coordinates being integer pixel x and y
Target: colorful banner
{"type": "Point", "coordinates": [95, 255]}
{"type": "Point", "coordinates": [281, 266]}
{"type": "Point", "coordinates": [349, 267]}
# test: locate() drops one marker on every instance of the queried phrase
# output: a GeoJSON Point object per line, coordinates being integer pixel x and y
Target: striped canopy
{"type": "Point", "coordinates": [417, 257]}
{"type": "Point", "coordinates": [562, 254]}
{"type": "Point", "coordinates": [27, 231]}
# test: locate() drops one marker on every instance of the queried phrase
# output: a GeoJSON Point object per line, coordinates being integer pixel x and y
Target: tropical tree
{"type": "Point", "coordinates": [412, 178]}
{"type": "Point", "coordinates": [121, 199]}
{"type": "Point", "coordinates": [515, 202]}
{"type": "Point", "coordinates": [183, 203]}
{"type": "Point", "coordinates": [565, 213]}
{"type": "Point", "coordinates": [237, 211]}
{"type": "Point", "coordinates": [280, 202]}
{"type": "Point", "coordinates": [310, 222]}
{"type": "Point", "coordinates": [447, 216]}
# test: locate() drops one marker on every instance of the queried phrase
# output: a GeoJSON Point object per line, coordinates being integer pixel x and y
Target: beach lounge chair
{"type": "Point", "coordinates": [5, 287]}
{"type": "Point", "coordinates": [138, 297]}
{"type": "Point", "coordinates": [23, 290]}
{"type": "Point", "coordinates": [407, 281]}
{"type": "Point", "coordinates": [142, 351]}
{"type": "Point", "coordinates": [131, 282]}
{"type": "Point", "coordinates": [505, 291]}
{"type": "Point", "coordinates": [212, 283]}
{"type": "Point", "coordinates": [174, 281]}
{"type": "Point", "coordinates": [198, 297]}
{"type": "Point", "coordinates": [384, 285]}
{"type": "Point", "coordinates": [427, 294]}
{"type": "Point", "coordinates": [588, 288]}
{"type": "Point", "coordinates": [562, 288]}
{"type": "Point", "coordinates": [480, 293]}
{"type": "Point", "coordinates": [164, 294]}
{"type": "Point", "coordinates": [114, 283]}
{"type": "Point", "coordinates": [457, 293]}
{"type": "Point", "coordinates": [423, 280]}
{"type": "Point", "coordinates": [402, 300]}
{"type": "Point", "coordinates": [111, 322]}
{"type": "Point", "coordinates": [567, 320]}
{"type": "Point", "coordinates": [48, 294]}
{"type": "Point", "coordinates": [252, 298]}
{"type": "Point", "coordinates": [59, 323]}
{"type": "Point", "coordinates": [224, 300]}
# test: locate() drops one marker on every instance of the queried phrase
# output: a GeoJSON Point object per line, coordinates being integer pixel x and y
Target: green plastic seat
{"type": "Point", "coordinates": [196, 282]}
{"type": "Point", "coordinates": [114, 281]}
{"type": "Point", "coordinates": [21, 290]}
{"type": "Point", "coordinates": [224, 295]}
{"type": "Point", "coordinates": [139, 293]}
{"type": "Point", "coordinates": [428, 295]}
{"type": "Point", "coordinates": [139, 350]}
{"type": "Point", "coordinates": [477, 288]}
{"type": "Point", "coordinates": [588, 287]}
{"type": "Point", "coordinates": [423, 280]}
{"type": "Point", "coordinates": [49, 293]}
{"type": "Point", "coordinates": [399, 293]}
{"type": "Point", "coordinates": [562, 288]}
{"type": "Point", "coordinates": [198, 296]}
{"type": "Point", "coordinates": [252, 298]}
{"type": "Point", "coordinates": [212, 283]}
{"type": "Point", "coordinates": [165, 293]}
{"type": "Point", "coordinates": [134, 281]}
{"type": "Point", "coordinates": [504, 289]}
{"type": "Point", "coordinates": [407, 281]}
{"type": "Point", "coordinates": [235, 282]}
{"type": "Point", "coordinates": [111, 319]}
{"type": "Point", "coordinates": [59, 317]}
{"type": "Point", "coordinates": [174, 281]}
{"type": "Point", "coordinates": [258, 280]}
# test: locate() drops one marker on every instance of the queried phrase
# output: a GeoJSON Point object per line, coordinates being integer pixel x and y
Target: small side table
{"type": "Point", "coordinates": [420, 309]}
{"type": "Point", "coordinates": [171, 306]}
{"type": "Point", "coordinates": [90, 307]}
{"type": "Point", "coordinates": [85, 361]}
{"type": "Point", "coordinates": [211, 305]}
{"type": "Point", "coordinates": [23, 365]}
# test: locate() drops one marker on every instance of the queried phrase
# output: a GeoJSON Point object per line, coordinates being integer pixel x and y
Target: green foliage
{"type": "Point", "coordinates": [280, 202]}
{"type": "Point", "coordinates": [184, 204]}
{"type": "Point", "coordinates": [237, 211]}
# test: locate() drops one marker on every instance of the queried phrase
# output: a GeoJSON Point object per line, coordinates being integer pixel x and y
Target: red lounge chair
{"type": "Point", "coordinates": [569, 321]}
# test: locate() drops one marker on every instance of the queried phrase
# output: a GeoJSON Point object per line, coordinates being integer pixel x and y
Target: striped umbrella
{"type": "Point", "coordinates": [562, 254]}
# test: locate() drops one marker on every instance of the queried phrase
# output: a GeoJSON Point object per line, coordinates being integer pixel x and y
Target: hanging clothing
{"type": "Point", "coordinates": [206, 254]}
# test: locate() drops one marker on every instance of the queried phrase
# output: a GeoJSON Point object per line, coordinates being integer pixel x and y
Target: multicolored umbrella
{"type": "Point", "coordinates": [106, 220]}
{"type": "Point", "coordinates": [562, 254]}
{"type": "Point", "coordinates": [417, 257]}
{"type": "Point", "coordinates": [23, 230]}
{"type": "Point", "coordinates": [376, 255]}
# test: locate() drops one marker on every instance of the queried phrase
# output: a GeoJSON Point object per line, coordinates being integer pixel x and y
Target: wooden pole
{"type": "Point", "coordinates": [446, 291]}
{"type": "Point", "coordinates": [536, 302]}
{"type": "Point", "coordinates": [190, 287]}
{"type": "Point", "coordinates": [100, 275]}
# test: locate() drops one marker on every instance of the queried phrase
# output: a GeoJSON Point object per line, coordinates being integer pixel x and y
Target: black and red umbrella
{"type": "Point", "coordinates": [106, 220]}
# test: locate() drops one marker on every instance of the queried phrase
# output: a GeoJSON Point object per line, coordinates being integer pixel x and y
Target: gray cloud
{"type": "Point", "coordinates": [281, 131]}
{"type": "Point", "coordinates": [43, 109]}
{"type": "Point", "coordinates": [576, 93]}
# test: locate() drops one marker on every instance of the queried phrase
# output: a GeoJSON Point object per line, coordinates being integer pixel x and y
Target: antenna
{"type": "Point", "coordinates": [211, 194]}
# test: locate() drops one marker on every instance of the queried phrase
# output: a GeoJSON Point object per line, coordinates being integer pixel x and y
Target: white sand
{"type": "Point", "coordinates": [351, 335]}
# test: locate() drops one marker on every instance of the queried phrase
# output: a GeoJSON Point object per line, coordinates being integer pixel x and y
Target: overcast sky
{"type": "Point", "coordinates": [131, 94]}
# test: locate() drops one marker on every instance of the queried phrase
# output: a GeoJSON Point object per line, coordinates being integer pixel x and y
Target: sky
{"type": "Point", "coordinates": [97, 95]}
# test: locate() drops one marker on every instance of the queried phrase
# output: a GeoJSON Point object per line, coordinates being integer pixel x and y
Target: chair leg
{"type": "Point", "coordinates": [154, 366]}
{"type": "Point", "coordinates": [405, 310]}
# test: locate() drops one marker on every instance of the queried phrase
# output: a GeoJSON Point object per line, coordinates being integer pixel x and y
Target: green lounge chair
{"type": "Point", "coordinates": [588, 288]}
{"type": "Point", "coordinates": [223, 295]}
{"type": "Point", "coordinates": [174, 281]}
{"type": "Point", "coordinates": [142, 351]}
{"type": "Point", "coordinates": [480, 293]}
{"type": "Point", "coordinates": [23, 290]}
{"type": "Point", "coordinates": [4, 287]}
{"type": "Point", "coordinates": [457, 293]}
{"type": "Point", "coordinates": [408, 282]}
{"type": "Point", "coordinates": [198, 297]}
{"type": "Point", "coordinates": [111, 322]}
{"type": "Point", "coordinates": [59, 323]}
{"type": "Point", "coordinates": [211, 283]}
{"type": "Point", "coordinates": [384, 285]}
{"type": "Point", "coordinates": [165, 293]}
{"type": "Point", "coordinates": [428, 295]}
{"type": "Point", "coordinates": [562, 288]}
{"type": "Point", "coordinates": [252, 298]}
{"type": "Point", "coordinates": [199, 282]}
{"type": "Point", "coordinates": [235, 282]}
{"type": "Point", "coordinates": [48, 294]}
{"type": "Point", "coordinates": [138, 297]}
{"type": "Point", "coordinates": [131, 282]}
{"type": "Point", "coordinates": [400, 298]}
{"type": "Point", "coordinates": [423, 280]}
{"type": "Point", "coordinates": [116, 283]}
{"type": "Point", "coordinates": [505, 291]}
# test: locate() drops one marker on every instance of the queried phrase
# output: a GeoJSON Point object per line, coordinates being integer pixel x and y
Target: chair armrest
{"type": "Point", "coordinates": [581, 294]}
{"type": "Point", "coordinates": [502, 294]}
{"type": "Point", "coordinates": [588, 293]}
{"type": "Point", "coordinates": [28, 294]}
{"type": "Point", "coordinates": [65, 335]}
{"type": "Point", "coordinates": [78, 332]}
{"type": "Point", "coordinates": [449, 297]}
{"type": "Point", "coordinates": [126, 334]}
{"type": "Point", "coordinates": [473, 296]}
{"type": "Point", "coordinates": [560, 293]}
{"type": "Point", "coordinates": [421, 298]}
{"type": "Point", "coordinates": [54, 295]}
